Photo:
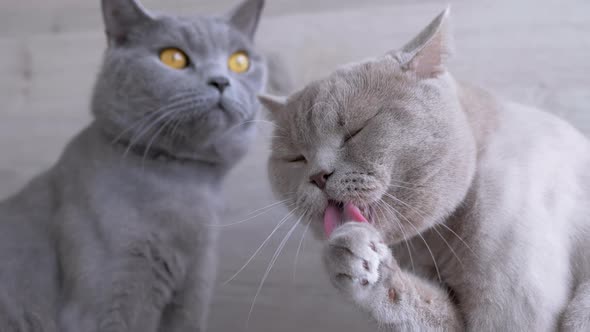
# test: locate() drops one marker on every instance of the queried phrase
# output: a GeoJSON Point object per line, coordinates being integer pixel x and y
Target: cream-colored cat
{"type": "Point", "coordinates": [478, 209]}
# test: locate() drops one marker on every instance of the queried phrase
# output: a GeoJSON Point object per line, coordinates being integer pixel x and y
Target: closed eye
{"type": "Point", "coordinates": [351, 135]}
{"type": "Point", "coordinates": [298, 159]}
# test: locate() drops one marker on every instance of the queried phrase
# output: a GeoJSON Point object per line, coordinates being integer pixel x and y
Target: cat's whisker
{"type": "Point", "coordinates": [299, 247]}
{"type": "Point", "coordinates": [271, 264]}
{"type": "Point", "coordinates": [266, 210]}
{"type": "Point", "coordinates": [175, 126]}
{"type": "Point", "coordinates": [422, 214]}
{"type": "Point", "coordinates": [458, 237]}
{"type": "Point", "coordinates": [434, 228]}
{"type": "Point", "coordinates": [269, 206]}
{"type": "Point", "coordinates": [381, 211]}
{"type": "Point", "coordinates": [281, 222]}
{"type": "Point", "coordinates": [162, 114]}
{"type": "Point", "coordinates": [421, 237]}
{"type": "Point", "coordinates": [408, 188]}
{"type": "Point", "coordinates": [180, 119]}
{"type": "Point", "coordinates": [157, 133]}
{"type": "Point", "coordinates": [448, 245]}
{"type": "Point", "coordinates": [166, 110]}
{"type": "Point", "coordinates": [407, 245]}
{"type": "Point", "coordinates": [149, 116]}
{"type": "Point", "coordinates": [139, 122]}
{"type": "Point", "coordinates": [403, 234]}
{"type": "Point", "coordinates": [404, 182]}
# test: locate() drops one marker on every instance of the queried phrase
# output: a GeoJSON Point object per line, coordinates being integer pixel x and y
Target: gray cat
{"type": "Point", "coordinates": [422, 184]}
{"type": "Point", "coordinates": [114, 237]}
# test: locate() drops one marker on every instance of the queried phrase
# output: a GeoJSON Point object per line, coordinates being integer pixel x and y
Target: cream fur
{"type": "Point", "coordinates": [485, 204]}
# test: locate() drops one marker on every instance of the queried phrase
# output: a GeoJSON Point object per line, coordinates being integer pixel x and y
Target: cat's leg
{"type": "Point", "coordinates": [189, 309]}
{"type": "Point", "coordinates": [144, 287]}
{"type": "Point", "coordinates": [362, 267]}
{"type": "Point", "coordinates": [128, 295]}
{"type": "Point", "coordinates": [15, 318]}
{"type": "Point", "coordinates": [576, 317]}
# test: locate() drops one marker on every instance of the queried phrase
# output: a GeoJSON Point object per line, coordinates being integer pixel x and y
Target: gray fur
{"type": "Point", "coordinates": [116, 236]}
{"type": "Point", "coordinates": [472, 194]}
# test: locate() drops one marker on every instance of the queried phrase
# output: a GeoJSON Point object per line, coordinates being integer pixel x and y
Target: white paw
{"type": "Point", "coordinates": [357, 260]}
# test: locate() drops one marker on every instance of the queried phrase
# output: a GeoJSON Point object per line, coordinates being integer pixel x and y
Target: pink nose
{"type": "Point", "coordinates": [320, 179]}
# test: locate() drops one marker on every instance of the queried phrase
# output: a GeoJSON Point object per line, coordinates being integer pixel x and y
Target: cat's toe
{"type": "Point", "coordinates": [354, 257]}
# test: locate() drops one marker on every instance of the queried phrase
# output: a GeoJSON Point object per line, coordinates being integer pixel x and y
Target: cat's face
{"type": "Point", "coordinates": [186, 85]}
{"type": "Point", "coordinates": [386, 135]}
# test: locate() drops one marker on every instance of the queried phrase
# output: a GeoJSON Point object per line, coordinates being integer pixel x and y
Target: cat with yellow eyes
{"type": "Point", "coordinates": [115, 236]}
{"type": "Point", "coordinates": [443, 207]}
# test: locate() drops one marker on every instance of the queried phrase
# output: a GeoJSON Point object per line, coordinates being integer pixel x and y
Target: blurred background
{"type": "Point", "coordinates": [532, 51]}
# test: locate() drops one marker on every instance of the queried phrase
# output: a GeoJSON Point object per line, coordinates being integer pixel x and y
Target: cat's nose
{"type": "Point", "coordinates": [219, 82]}
{"type": "Point", "coordinates": [320, 179]}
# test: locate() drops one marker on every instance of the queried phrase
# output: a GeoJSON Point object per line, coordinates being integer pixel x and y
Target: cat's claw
{"type": "Point", "coordinates": [357, 260]}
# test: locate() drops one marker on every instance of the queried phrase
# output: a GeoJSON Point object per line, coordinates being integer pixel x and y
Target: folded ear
{"type": "Point", "coordinates": [120, 16]}
{"type": "Point", "coordinates": [246, 15]}
{"type": "Point", "coordinates": [274, 104]}
{"type": "Point", "coordinates": [427, 53]}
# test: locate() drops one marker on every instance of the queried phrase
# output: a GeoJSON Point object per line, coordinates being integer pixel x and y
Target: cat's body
{"type": "Point", "coordinates": [525, 221]}
{"type": "Point", "coordinates": [463, 192]}
{"type": "Point", "coordinates": [115, 234]}
{"type": "Point", "coordinates": [118, 235]}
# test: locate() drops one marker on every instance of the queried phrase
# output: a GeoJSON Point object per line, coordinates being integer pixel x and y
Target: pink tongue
{"type": "Point", "coordinates": [333, 217]}
{"type": "Point", "coordinates": [351, 212]}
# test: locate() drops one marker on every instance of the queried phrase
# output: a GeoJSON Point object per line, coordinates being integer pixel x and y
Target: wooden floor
{"type": "Point", "coordinates": [536, 52]}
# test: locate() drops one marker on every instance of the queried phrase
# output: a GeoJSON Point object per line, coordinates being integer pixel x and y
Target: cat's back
{"type": "Point", "coordinates": [539, 159]}
{"type": "Point", "coordinates": [536, 141]}
{"type": "Point", "coordinates": [26, 217]}
{"type": "Point", "coordinates": [526, 129]}
{"type": "Point", "coordinates": [533, 172]}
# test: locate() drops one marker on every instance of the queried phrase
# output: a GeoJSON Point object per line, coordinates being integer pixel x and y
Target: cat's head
{"type": "Point", "coordinates": [185, 85]}
{"type": "Point", "coordinates": [387, 135]}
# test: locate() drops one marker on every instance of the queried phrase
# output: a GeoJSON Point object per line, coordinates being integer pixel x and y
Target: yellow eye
{"type": "Point", "coordinates": [174, 58]}
{"type": "Point", "coordinates": [239, 62]}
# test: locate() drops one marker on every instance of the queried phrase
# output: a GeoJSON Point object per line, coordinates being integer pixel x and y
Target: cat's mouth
{"type": "Point", "coordinates": [337, 213]}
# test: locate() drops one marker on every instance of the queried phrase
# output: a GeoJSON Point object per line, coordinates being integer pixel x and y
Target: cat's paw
{"type": "Point", "coordinates": [358, 260]}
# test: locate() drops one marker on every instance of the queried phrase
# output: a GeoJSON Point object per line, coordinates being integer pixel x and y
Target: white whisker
{"type": "Point", "coordinates": [422, 214]}
{"type": "Point", "coordinates": [166, 111]}
{"type": "Point", "coordinates": [434, 228]}
{"type": "Point", "coordinates": [423, 240]}
{"type": "Point", "coordinates": [408, 188]}
{"type": "Point", "coordinates": [268, 206]}
{"type": "Point", "coordinates": [148, 117]}
{"type": "Point", "coordinates": [299, 247]}
{"type": "Point", "coordinates": [170, 116]}
{"type": "Point", "coordinates": [404, 235]}
{"type": "Point", "coordinates": [458, 237]}
{"type": "Point", "coordinates": [261, 246]}
{"type": "Point", "coordinates": [268, 209]}
{"type": "Point", "coordinates": [270, 266]}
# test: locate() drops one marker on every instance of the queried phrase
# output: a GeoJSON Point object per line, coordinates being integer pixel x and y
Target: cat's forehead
{"type": "Point", "coordinates": [200, 34]}
{"type": "Point", "coordinates": [315, 111]}
{"type": "Point", "coordinates": [349, 95]}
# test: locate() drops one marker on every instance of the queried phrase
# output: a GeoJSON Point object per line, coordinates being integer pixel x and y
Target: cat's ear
{"type": "Point", "coordinates": [427, 53]}
{"type": "Point", "coordinates": [246, 15]}
{"type": "Point", "coordinates": [120, 16]}
{"type": "Point", "coordinates": [274, 104]}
